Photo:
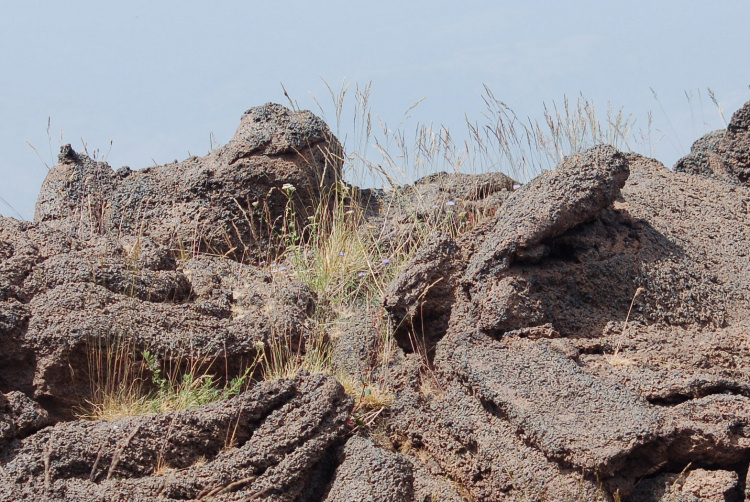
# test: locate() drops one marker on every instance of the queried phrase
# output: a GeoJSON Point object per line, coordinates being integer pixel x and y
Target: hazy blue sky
{"type": "Point", "coordinates": [158, 77]}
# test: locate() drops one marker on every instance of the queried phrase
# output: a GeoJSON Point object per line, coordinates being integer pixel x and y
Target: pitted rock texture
{"type": "Point", "coordinates": [601, 316]}
{"type": "Point", "coordinates": [544, 393]}
{"type": "Point", "coordinates": [275, 442]}
{"type": "Point", "coordinates": [582, 337]}
{"type": "Point", "coordinates": [370, 474]}
{"type": "Point", "coordinates": [440, 200]}
{"type": "Point", "coordinates": [227, 202]}
{"type": "Point", "coordinates": [357, 344]}
{"type": "Point", "coordinates": [574, 193]}
{"type": "Point", "coordinates": [68, 300]}
{"type": "Point", "coordinates": [697, 485]}
{"type": "Point", "coordinates": [422, 296]}
{"type": "Point", "coordinates": [723, 155]}
{"type": "Point", "coordinates": [447, 428]}
{"type": "Point", "coordinates": [19, 416]}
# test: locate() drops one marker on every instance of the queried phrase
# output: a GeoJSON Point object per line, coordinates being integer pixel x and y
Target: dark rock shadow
{"type": "Point", "coordinates": [587, 278]}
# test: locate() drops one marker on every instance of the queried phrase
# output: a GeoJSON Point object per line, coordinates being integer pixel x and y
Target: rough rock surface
{"type": "Point", "coordinates": [442, 425]}
{"type": "Point", "coordinates": [529, 328]}
{"type": "Point", "coordinates": [440, 200]}
{"type": "Point", "coordinates": [274, 442]}
{"type": "Point", "coordinates": [583, 337]}
{"type": "Point", "coordinates": [356, 345]}
{"type": "Point", "coordinates": [208, 309]}
{"type": "Point", "coordinates": [697, 485]}
{"type": "Point", "coordinates": [370, 474]}
{"type": "Point", "coordinates": [227, 202]}
{"type": "Point", "coordinates": [722, 155]}
{"type": "Point", "coordinates": [19, 416]}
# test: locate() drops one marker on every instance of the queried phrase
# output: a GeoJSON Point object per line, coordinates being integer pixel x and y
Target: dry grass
{"type": "Point", "coordinates": [616, 359]}
{"type": "Point", "coordinates": [128, 382]}
{"type": "Point", "coordinates": [370, 395]}
{"type": "Point", "coordinates": [344, 261]}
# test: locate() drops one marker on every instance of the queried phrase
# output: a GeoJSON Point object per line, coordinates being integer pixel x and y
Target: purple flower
{"type": "Point", "coordinates": [385, 261]}
{"type": "Point", "coordinates": [360, 274]}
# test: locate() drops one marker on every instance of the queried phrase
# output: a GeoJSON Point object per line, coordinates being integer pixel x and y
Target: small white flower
{"type": "Point", "coordinates": [288, 187]}
{"type": "Point", "coordinates": [450, 203]}
{"type": "Point", "coordinates": [350, 211]}
{"type": "Point", "coordinates": [516, 186]}
{"type": "Point", "coordinates": [282, 268]}
{"type": "Point", "coordinates": [255, 204]}
{"type": "Point", "coordinates": [385, 261]}
{"type": "Point", "coordinates": [341, 253]}
{"type": "Point", "coordinates": [261, 263]}
{"type": "Point", "coordinates": [360, 274]}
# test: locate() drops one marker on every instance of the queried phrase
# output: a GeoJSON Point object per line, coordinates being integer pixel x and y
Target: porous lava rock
{"type": "Point", "coordinates": [19, 416]}
{"type": "Point", "coordinates": [275, 442]}
{"type": "Point", "coordinates": [697, 485]}
{"type": "Point", "coordinates": [441, 200]}
{"type": "Point", "coordinates": [228, 202]}
{"type": "Point", "coordinates": [67, 301]}
{"type": "Point", "coordinates": [723, 154]}
{"type": "Point", "coordinates": [370, 474]}
{"type": "Point", "coordinates": [599, 318]}
{"type": "Point", "coordinates": [581, 337]}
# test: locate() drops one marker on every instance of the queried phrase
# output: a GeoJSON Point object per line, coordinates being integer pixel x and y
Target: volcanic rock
{"type": "Point", "coordinates": [228, 202]}
{"type": "Point", "coordinates": [370, 474]}
{"type": "Point", "coordinates": [600, 317]}
{"type": "Point", "coordinates": [274, 442]}
{"type": "Point", "coordinates": [723, 155]}
{"type": "Point", "coordinates": [581, 337]}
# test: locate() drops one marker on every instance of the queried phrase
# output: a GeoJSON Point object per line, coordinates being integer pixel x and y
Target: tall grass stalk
{"type": "Point", "coordinates": [339, 255]}
{"type": "Point", "coordinates": [126, 381]}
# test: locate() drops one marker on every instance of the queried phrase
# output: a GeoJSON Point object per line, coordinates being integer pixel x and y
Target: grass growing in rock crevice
{"type": "Point", "coordinates": [341, 254]}
{"type": "Point", "coordinates": [126, 381]}
{"type": "Point", "coordinates": [339, 250]}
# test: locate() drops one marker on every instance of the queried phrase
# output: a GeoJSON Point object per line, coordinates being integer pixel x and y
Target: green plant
{"type": "Point", "coordinates": [128, 382]}
{"type": "Point", "coordinates": [188, 389]}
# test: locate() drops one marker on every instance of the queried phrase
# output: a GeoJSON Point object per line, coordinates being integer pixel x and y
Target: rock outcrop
{"type": "Point", "coordinates": [722, 155]}
{"type": "Point", "coordinates": [228, 202]}
{"type": "Point", "coordinates": [581, 337]}
{"type": "Point", "coordinates": [600, 317]}
{"type": "Point", "coordinates": [275, 442]}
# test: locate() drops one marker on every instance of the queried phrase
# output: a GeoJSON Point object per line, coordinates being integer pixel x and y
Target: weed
{"type": "Point", "coordinates": [333, 249]}
{"type": "Point", "coordinates": [284, 356]}
{"type": "Point", "coordinates": [128, 382]}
